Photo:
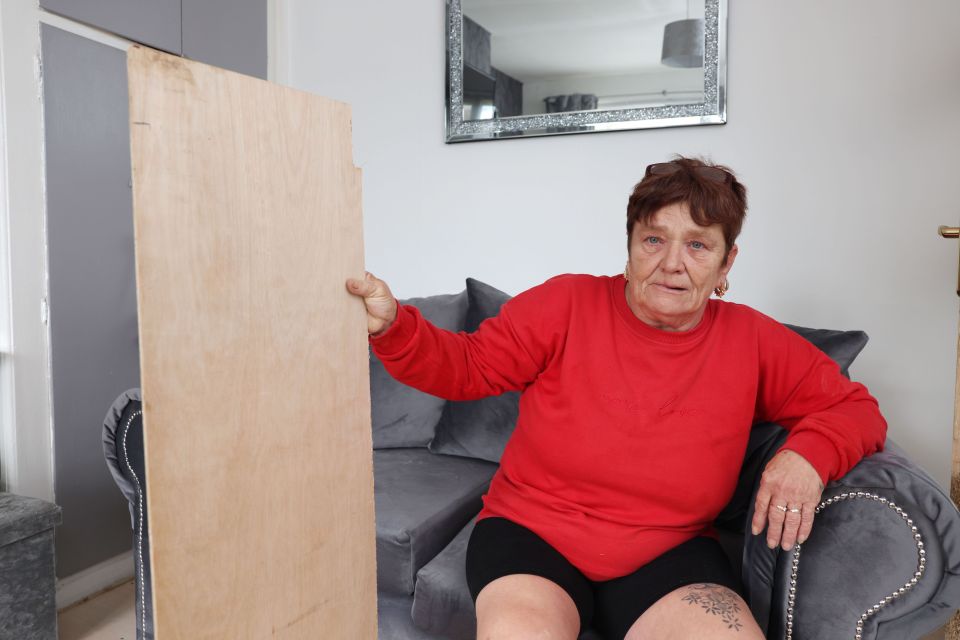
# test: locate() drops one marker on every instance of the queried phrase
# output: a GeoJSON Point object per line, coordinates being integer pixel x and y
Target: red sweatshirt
{"type": "Point", "coordinates": [630, 439]}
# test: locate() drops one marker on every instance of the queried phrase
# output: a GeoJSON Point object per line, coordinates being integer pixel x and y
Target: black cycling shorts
{"type": "Point", "coordinates": [499, 547]}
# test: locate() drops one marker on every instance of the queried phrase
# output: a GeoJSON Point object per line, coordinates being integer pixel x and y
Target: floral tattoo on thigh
{"type": "Point", "coordinates": [717, 601]}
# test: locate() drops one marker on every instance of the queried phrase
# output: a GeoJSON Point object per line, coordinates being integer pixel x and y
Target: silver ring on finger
{"type": "Point", "coordinates": [781, 507]}
{"type": "Point", "coordinates": [794, 510]}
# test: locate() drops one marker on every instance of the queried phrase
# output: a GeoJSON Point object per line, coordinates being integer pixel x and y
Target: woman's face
{"type": "Point", "coordinates": [674, 266]}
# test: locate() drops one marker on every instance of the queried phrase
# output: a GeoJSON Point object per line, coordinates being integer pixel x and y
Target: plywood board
{"type": "Point", "coordinates": [253, 356]}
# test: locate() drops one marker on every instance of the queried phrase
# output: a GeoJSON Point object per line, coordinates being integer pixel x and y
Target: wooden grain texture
{"type": "Point", "coordinates": [253, 356]}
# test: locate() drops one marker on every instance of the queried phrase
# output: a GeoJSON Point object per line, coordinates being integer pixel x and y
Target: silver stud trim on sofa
{"type": "Point", "coordinates": [140, 507]}
{"type": "Point", "coordinates": [921, 565]}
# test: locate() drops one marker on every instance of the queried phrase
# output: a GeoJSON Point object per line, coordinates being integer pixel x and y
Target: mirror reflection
{"type": "Point", "coordinates": [533, 57]}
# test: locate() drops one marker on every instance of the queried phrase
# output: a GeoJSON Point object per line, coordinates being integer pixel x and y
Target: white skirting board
{"type": "Point", "coordinates": [81, 585]}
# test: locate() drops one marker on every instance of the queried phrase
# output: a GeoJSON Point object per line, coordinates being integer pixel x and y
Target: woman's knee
{"type": "Point", "coordinates": [525, 606]}
{"type": "Point", "coordinates": [697, 611]}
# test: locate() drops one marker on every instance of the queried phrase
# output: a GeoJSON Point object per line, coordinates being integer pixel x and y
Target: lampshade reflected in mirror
{"type": "Point", "coordinates": [683, 44]}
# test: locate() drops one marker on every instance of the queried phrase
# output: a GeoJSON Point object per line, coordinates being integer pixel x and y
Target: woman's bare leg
{"type": "Point", "coordinates": [522, 607]}
{"type": "Point", "coordinates": [701, 611]}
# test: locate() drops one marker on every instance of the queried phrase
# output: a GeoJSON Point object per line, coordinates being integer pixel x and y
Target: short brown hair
{"type": "Point", "coordinates": [710, 201]}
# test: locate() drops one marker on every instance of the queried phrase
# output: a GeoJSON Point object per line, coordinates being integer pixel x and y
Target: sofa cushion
{"type": "Point", "coordinates": [394, 622]}
{"type": "Point", "coordinates": [441, 603]}
{"type": "Point", "coordinates": [478, 428]}
{"type": "Point", "coordinates": [401, 415]}
{"type": "Point", "coordinates": [422, 501]}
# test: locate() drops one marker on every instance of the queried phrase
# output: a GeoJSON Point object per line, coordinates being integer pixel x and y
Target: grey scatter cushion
{"type": "Point", "coordinates": [484, 302]}
{"type": "Point", "coordinates": [842, 346]}
{"type": "Point", "coordinates": [478, 428]}
{"type": "Point", "coordinates": [403, 416]}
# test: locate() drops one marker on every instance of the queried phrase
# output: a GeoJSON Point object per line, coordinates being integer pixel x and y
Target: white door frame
{"type": "Point", "coordinates": [26, 426]}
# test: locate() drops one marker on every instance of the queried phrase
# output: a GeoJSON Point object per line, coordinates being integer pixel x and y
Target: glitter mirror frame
{"type": "Point", "coordinates": [712, 110]}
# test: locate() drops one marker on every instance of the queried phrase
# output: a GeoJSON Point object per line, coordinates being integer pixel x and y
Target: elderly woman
{"type": "Point", "coordinates": [639, 392]}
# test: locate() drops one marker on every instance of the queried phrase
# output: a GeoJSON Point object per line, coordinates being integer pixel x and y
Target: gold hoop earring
{"type": "Point", "coordinates": [626, 273]}
{"type": "Point", "coordinates": [722, 289]}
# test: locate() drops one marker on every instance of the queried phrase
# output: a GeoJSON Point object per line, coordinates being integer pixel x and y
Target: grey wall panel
{"type": "Point", "coordinates": [93, 311]}
{"type": "Point", "coordinates": [227, 33]}
{"type": "Point", "coordinates": [152, 22]}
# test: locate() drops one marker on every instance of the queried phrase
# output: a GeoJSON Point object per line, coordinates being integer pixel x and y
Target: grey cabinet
{"type": "Point", "coordinates": [226, 33]}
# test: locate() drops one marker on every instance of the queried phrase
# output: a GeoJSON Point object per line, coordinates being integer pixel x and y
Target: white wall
{"type": "Point", "coordinates": [842, 123]}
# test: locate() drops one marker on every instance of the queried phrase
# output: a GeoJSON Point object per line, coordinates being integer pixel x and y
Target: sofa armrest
{"type": "Point", "coordinates": [117, 426]}
{"type": "Point", "coordinates": [882, 561]}
{"type": "Point", "coordinates": [123, 450]}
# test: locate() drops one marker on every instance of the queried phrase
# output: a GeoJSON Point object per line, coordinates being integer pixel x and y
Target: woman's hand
{"type": "Point", "coordinates": [380, 303]}
{"type": "Point", "coordinates": [789, 493]}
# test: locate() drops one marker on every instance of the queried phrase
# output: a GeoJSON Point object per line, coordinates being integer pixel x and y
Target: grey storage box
{"type": "Point", "coordinates": [28, 607]}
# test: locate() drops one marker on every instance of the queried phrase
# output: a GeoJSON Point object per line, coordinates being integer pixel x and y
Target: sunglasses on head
{"type": "Point", "coordinates": [714, 174]}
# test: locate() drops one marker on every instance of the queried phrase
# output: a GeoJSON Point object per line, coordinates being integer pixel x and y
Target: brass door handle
{"type": "Point", "coordinates": [951, 232]}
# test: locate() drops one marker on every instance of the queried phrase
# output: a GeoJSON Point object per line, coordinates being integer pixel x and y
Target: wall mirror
{"type": "Point", "coordinates": [547, 67]}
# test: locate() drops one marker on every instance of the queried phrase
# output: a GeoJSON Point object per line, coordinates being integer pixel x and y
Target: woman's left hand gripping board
{"type": "Point", "coordinates": [378, 299]}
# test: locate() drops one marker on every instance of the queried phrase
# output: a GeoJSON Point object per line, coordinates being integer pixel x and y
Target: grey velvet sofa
{"type": "Point", "coordinates": [882, 561]}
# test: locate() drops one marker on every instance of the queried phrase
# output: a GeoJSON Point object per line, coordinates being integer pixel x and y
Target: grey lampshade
{"type": "Point", "coordinates": [683, 43]}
